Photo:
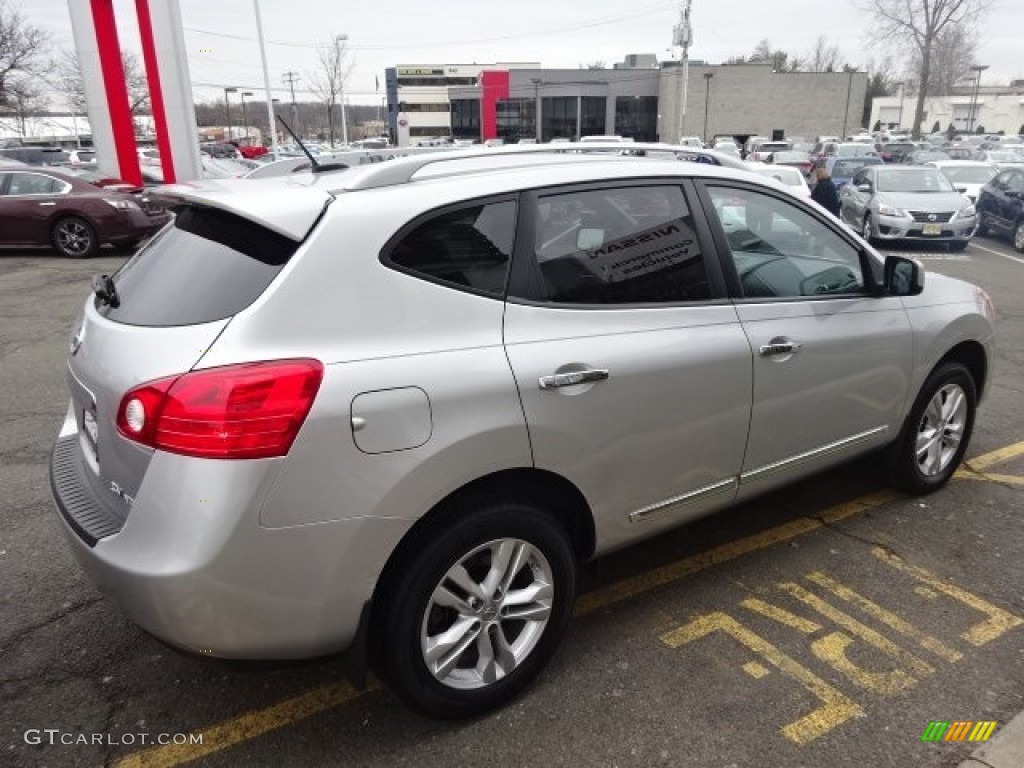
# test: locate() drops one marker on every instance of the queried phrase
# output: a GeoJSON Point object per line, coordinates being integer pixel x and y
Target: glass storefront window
{"type": "Point", "coordinates": [558, 118]}
{"type": "Point", "coordinates": [636, 117]}
{"type": "Point", "coordinates": [592, 111]}
{"type": "Point", "coordinates": [466, 119]}
{"type": "Point", "coordinates": [516, 119]}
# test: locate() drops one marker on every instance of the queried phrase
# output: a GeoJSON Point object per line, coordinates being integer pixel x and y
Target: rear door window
{"type": "Point", "coordinates": [209, 265]}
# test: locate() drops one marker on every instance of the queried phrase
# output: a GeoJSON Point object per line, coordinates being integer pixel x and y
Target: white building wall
{"type": "Point", "coordinates": [994, 111]}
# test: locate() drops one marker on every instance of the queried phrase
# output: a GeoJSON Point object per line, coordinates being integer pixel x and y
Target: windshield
{"type": "Point", "coordinates": [968, 174]}
{"type": "Point", "coordinates": [913, 180]}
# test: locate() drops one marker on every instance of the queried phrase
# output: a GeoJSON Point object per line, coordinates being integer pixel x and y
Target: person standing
{"type": "Point", "coordinates": [825, 193]}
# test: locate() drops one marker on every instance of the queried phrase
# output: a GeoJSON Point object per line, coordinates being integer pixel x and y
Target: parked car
{"type": "Point", "coordinates": [855, 149]}
{"type": "Point", "coordinates": [963, 153]}
{"type": "Point", "coordinates": [795, 158]}
{"type": "Point", "coordinates": [968, 176]}
{"type": "Point", "coordinates": [36, 155]}
{"type": "Point", "coordinates": [1001, 207]}
{"type": "Point", "coordinates": [1001, 158]}
{"type": "Point", "coordinates": [82, 157]}
{"type": "Point", "coordinates": [907, 202]}
{"type": "Point", "coordinates": [269, 453]}
{"type": "Point", "coordinates": [765, 149]}
{"type": "Point", "coordinates": [824, 150]}
{"type": "Point", "coordinates": [897, 151]}
{"type": "Point", "coordinates": [922, 156]}
{"type": "Point", "coordinates": [43, 207]}
{"type": "Point", "coordinates": [792, 177]}
{"type": "Point", "coordinates": [843, 169]}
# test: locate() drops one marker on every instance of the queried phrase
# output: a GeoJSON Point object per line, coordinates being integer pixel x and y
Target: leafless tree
{"type": "Point", "coordinates": [919, 24]}
{"type": "Point", "coordinates": [328, 82]}
{"type": "Point", "coordinates": [953, 55]}
{"type": "Point", "coordinates": [66, 79]}
{"type": "Point", "coordinates": [21, 48]}
{"type": "Point", "coordinates": [824, 57]}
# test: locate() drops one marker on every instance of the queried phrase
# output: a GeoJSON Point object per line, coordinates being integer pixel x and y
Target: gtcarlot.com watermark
{"type": "Point", "coordinates": [55, 737]}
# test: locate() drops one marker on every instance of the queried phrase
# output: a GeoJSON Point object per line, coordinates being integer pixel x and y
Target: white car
{"type": "Point", "coordinates": [968, 176]}
{"type": "Point", "coordinates": [787, 175]}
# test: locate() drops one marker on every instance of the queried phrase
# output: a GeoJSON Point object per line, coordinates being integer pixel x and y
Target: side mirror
{"type": "Point", "coordinates": [903, 276]}
{"type": "Point", "coordinates": [588, 239]}
{"type": "Point", "coordinates": [1012, 193]}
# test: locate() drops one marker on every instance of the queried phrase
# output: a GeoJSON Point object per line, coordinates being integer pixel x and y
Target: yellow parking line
{"type": "Point", "coordinates": [246, 726]}
{"type": "Point", "coordinates": [986, 460]}
{"type": "Point", "coordinates": [250, 725]}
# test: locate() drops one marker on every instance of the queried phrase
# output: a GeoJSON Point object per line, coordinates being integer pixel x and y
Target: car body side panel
{"type": "Point", "coordinates": [670, 419]}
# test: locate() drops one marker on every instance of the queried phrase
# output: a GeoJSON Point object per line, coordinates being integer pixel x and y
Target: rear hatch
{"type": "Point", "coordinates": [173, 299]}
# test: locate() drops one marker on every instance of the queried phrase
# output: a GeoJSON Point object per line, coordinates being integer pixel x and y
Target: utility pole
{"type": "Point", "coordinates": [682, 35]}
{"type": "Point", "coordinates": [290, 78]}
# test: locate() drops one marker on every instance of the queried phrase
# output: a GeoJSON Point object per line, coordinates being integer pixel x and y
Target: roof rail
{"type": "Point", "coordinates": [404, 170]}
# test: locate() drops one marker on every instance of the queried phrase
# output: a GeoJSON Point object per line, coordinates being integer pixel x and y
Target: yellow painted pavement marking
{"type": "Point", "coordinates": [755, 670]}
{"type": "Point", "coordinates": [836, 707]}
{"type": "Point", "coordinates": [832, 650]}
{"type": "Point", "coordinates": [989, 477]}
{"type": "Point", "coordinates": [250, 725]}
{"type": "Point", "coordinates": [886, 617]}
{"type": "Point", "coordinates": [246, 726]}
{"type": "Point", "coordinates": [999, 622]}
{"type": "Point", "coordinates": [854, 627]}
{"type": "Point", "coordinates": [781, 615]}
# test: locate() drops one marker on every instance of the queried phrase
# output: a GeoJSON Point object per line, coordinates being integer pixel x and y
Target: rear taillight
{"type": "Point", "coordinates": [247, 411]}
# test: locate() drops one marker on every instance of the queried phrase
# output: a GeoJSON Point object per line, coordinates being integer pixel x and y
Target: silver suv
{"type": "Point", "coordinates": [392, 408]}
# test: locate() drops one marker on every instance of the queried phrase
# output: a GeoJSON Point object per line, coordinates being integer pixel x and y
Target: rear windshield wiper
{"type": "Point", "coordinates": [103, 287]}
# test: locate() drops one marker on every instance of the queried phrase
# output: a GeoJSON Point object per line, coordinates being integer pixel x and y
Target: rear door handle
{"type": "Point", "coordinates": [780, 346]}
{"type": "Point", "coordinates": [573, 377]}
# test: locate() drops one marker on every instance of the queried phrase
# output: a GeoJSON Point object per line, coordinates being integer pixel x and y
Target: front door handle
{"type": "Point", "coordinates": [47, 203]}
{"type": "Point", "coordinates": [573, 377]}
{"type": "Point", "coordinates": [780, 345]}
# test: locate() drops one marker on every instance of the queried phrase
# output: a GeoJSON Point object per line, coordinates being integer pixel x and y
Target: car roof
{"type": "Point", "coordinates": [291, 205]}
{"type": "Point", "coordinates": [960, 163]}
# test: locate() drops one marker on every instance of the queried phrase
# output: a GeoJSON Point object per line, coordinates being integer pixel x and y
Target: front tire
{"type": "Point", "coordinates": [478, 610]}
{"type": "Point", "coordinates": [866, 230]}
{"type": "Point", "coordinates": [1018, 236]}
{"type": "Point", "coordinates": [937, 431]}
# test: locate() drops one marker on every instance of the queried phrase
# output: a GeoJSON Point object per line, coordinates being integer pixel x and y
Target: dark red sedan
{"type": "Point", "coordinates": [41, 206]}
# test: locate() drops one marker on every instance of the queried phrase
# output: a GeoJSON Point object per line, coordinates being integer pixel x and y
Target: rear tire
{"type": "Point", "coordinates": [478, 610]}
{"type": "Point", "coordinates": [937, 431]}
{"type": "Point", "coordinates": [73, 237]}
{"type": "Point", "coordinates": [1018, 236]}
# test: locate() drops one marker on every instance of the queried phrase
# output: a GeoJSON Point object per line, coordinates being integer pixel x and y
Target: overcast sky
{"type": "Point", "coordinates": [222, 48]}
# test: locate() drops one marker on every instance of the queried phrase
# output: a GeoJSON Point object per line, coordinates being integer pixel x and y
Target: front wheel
{"type": "Point", "coordinates": [1018, 236]}
{"type": "Point", "coordinates": [937, 431]}
{"type": "Point", "coordinates": [866, 230]}
{"type": "Point", "coordinates": [478, 610]}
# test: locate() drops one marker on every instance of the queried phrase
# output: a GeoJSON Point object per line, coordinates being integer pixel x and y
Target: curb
{"type": "Point", "coordinates": [1006, 750]}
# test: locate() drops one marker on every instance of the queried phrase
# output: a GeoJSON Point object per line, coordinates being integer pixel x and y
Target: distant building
{"type": "Point", "coordinates": [417, 97]}
{"type": "Point", "coordinates": [996, 109]}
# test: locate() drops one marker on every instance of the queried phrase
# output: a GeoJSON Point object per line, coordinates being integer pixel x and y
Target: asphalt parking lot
{"type": "Point", "coordinates": [826, 624]}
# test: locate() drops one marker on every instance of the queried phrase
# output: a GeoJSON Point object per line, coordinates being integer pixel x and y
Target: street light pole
{"type": "Point", "coordinates": [707, 102]}
{"type": "Point", "coordinates": [977, 69]}
{"type": "Point", "coordinates": [266, 79]}
{"type": "Point", "coordinates": [682, 38]}
{"type": "Point", "coordinates": [536, 106]}
{"type": "Point", "coordinates": [899, 120]}
{"type": "Point", "coordinates": [227, 108]}
{"type": "Point", "coordinates": [245, 115]}
{"type": "Point", "coordinates": [338, 39]}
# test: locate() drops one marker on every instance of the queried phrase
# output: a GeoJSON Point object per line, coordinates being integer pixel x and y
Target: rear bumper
{"type": "Point", "coordinates": [192, 565]}
{"type": "Point", "coordinates": [133, 225]}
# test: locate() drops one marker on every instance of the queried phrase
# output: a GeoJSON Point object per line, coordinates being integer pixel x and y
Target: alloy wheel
{"type": "Point", "coordinates": [941, 430]}
{"type": "Point", "coordinates": [487, 614]}
{"type": "Point", "coordinates": [73, 238]}
{"type": "Point", "coordinates": [1018, 237]}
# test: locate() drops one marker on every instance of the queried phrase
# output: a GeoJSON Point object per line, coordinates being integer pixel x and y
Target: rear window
{"type": "Point", "coordinates": [209, 265]}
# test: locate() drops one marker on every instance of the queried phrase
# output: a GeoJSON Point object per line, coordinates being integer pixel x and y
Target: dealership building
{"type": "Point", "coordinates": [639, 98]}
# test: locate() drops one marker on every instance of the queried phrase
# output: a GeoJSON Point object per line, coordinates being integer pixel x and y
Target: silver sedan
{"type": "Point", "coordinates": [910, 203]}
